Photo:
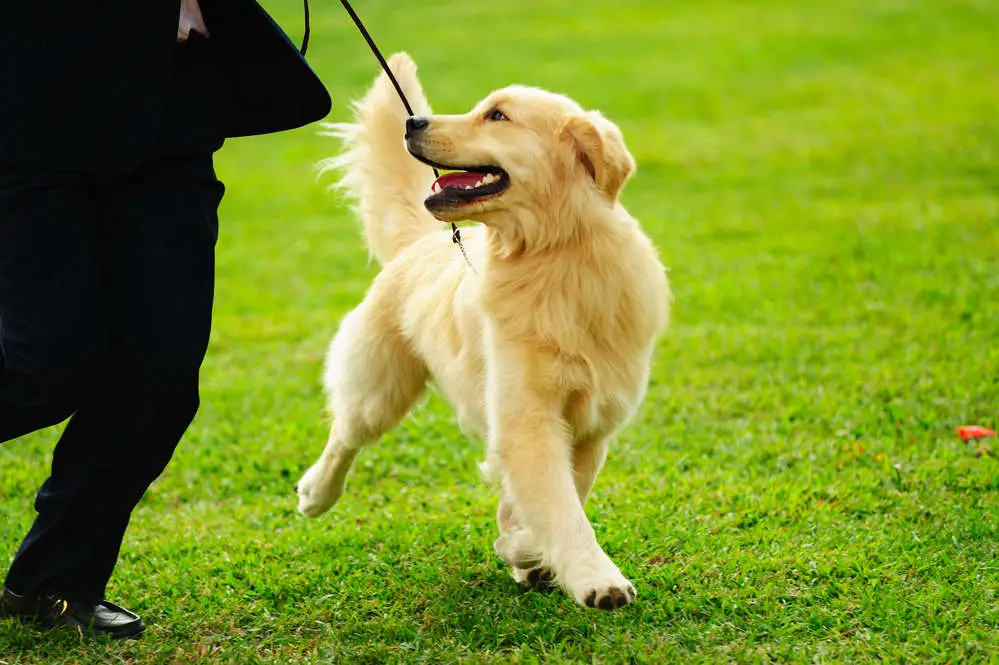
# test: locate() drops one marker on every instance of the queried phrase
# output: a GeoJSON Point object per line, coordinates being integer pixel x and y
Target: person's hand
{"type": "Point", "coordinates": [190, 19]}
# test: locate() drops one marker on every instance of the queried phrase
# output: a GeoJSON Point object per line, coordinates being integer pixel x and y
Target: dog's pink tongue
{"type": "Point", "coordinates": [459, 180]}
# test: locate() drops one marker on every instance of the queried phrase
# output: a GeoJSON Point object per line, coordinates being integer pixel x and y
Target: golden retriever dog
{"type": "Point", "coordinates": [544, 349]}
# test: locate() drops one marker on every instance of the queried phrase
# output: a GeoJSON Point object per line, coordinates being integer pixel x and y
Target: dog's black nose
{"type": "Point", "coordinates": [415, 124]}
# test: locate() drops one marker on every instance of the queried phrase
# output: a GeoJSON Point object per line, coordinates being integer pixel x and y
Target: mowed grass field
{"type": "Point", "coordinates": [822, 180]}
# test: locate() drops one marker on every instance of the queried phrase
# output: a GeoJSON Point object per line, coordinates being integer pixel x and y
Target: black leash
{"type": "Point", "coordinates": [308, 30]}
{"type": "Point", "coordinates": [381, 59]}
{"type": "Point", "coordinates": [455, 232]}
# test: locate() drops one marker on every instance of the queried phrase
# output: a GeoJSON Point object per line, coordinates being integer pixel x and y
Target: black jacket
{"type": "Point", "coordinates": [87, 85]}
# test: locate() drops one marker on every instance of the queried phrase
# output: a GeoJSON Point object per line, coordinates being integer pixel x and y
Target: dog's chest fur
{"type": "Point", "coordinates": [575, 328]}
{"type": "Point", "coordinates": [583, 329]}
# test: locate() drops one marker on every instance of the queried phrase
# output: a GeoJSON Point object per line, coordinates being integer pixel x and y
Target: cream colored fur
{"type": "Point", "coordinates": [544, 351]}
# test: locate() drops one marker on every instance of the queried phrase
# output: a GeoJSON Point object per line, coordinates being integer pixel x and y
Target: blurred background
{"type": "Point", "coordinates": [822, 180]}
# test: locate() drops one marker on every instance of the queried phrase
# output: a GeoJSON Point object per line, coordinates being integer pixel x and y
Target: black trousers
{"type": "Point", "coordinates": [106, 287]}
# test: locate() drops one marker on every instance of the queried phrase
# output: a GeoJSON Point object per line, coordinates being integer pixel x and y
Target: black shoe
{"type": "Point", "coordinates": [52, 610]}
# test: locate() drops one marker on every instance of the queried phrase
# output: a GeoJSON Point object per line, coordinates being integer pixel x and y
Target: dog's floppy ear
{"type": "Point", "coordinates": [598, 144]}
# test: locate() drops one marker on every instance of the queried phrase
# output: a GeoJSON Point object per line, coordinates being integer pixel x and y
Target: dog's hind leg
{"type": "Point", "coordinates": [517, 545]}
{"type": "Point", "coordinates": [588, 458]}
{"type": "Point", "coordinates": [372, 380]}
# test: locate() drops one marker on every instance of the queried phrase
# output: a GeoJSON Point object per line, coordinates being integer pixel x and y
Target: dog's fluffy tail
{"type": "Point", "coordinates": [385, 183]}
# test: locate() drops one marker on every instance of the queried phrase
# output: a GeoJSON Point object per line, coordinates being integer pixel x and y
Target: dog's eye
{"type": "Point", "coordinates": [496, 115]}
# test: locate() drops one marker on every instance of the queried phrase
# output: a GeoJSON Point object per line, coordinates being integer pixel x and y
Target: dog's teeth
{"type": "Point", "coordinates": [480, 183]}
{"type": "Point", "coordinates": [468, 186]}
{"type": "Point", "coordinates": [435, 188]}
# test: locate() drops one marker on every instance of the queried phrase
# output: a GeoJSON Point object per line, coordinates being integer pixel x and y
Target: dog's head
{"type": "Point", "coordinates": [524, 160]}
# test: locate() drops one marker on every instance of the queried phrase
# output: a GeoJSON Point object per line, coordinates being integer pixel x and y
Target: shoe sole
{"type": "Point", "coordinates": [130, 631]}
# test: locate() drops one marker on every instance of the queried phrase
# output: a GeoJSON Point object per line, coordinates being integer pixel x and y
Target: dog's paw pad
{"type": "Point", "coordinates": [538, 579]}
{"type": "Point", "coordinates": [610, 598]}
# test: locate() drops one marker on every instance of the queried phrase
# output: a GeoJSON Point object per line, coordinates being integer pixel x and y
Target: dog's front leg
{"type": "Point", "coordinates": [531, 450]}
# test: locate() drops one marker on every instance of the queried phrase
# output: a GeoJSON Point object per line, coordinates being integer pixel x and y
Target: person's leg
{"type": "Point", "coordinates": [53, 350]}
{"type": "Point", "coordinates": [159, 228]}
{"type": "Point", "coordinates": [52, 333]}
{"type": "Point", "coordinates": [163, 262]}
{"type": "Point", "coordinates": [54, 336]}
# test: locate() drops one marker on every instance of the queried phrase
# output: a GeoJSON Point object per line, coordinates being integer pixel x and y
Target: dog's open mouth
{"type": "Point", "coordinates": [463, 184]}
{"type": "Point", "coordinates": [468, 185]}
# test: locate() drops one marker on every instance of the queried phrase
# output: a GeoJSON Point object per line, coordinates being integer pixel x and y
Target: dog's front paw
{"type": "Point", "coordinates": [316, 494]}
{"type": "Point", "coordinates": [610, 597]}
{"type": "Point", "coordinates": [603, 588]}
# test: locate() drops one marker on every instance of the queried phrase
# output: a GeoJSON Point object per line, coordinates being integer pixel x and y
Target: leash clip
{"type": "Point", "coordinates": [456, 239]}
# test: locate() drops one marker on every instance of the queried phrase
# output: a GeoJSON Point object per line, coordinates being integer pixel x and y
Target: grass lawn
{"type": "Point", "coordinates": [822, 180]}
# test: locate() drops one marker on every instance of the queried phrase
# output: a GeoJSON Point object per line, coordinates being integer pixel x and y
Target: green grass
{"type": "Point", "coordinates": [822, 180]}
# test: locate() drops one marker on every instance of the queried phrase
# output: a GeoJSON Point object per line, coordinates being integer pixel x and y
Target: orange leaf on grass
{"type": "Point", "coordinates": [974, 432]}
